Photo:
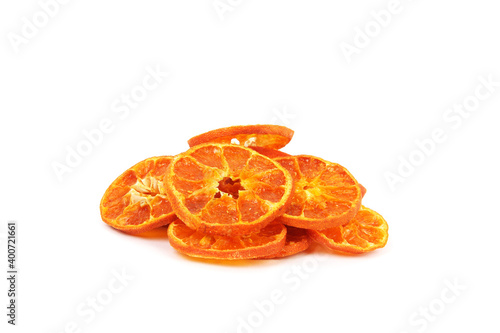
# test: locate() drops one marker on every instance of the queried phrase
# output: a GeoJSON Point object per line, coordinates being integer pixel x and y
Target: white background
{"type": "Point", "coordinates": [264, 62]}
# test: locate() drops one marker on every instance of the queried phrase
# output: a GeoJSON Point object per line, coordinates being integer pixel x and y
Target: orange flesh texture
{"type": "Point", "coordinates": [326, 194]}
{"type": "Point", "coordinates": [267, 241]}
{"type": "Point", "coordinates": [269, 136]}
{"type": "Point", "coordinates": [136, 200]}
{"type": "Point", "coordinates": [366, 232]}
{"type": "Point", "coordinates": [297, 241]}
{"type": "Point", "coordinates": [227, 189]}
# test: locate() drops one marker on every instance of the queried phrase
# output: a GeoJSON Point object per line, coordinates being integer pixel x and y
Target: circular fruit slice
{"type": "Point", "coordinates": [366, 232]}
{"type": "Point", "coordinates": [194, 243]}
{"type": "Point", "coordinates": [269, 136]}
{"type": "Point", "coordinates": [326, 194]}
{"type": "Point", "coordinates": [227, 189]}
{"type": "Point", "coordinates": [297, 241]}
{"type": "Point", "coordinates": [135, 201]}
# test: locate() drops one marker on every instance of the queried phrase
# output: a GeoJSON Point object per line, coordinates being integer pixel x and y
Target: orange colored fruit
{"type": "Point", "coordinates": [227, 189]}
{"type": "Point", "coordinates": [135, 201]}
{"type": "Point", "coordinates": [326, 195]}
{"type": "Point", "coordinates": [271, 153]}
{"type": "Point", "coordinates": [297, 241]}
{"type": "Point", "coordinates": [194, 243]}
{"type": "Point", "coordinates": [366, 232]}
{"type": "Point", "coordinates": [363, 190]}
{"type": "Point", "coordinates": [268, 136]}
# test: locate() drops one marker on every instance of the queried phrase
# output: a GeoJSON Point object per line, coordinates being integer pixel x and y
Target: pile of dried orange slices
{"type": "Point", "coordinates": [235, 195]}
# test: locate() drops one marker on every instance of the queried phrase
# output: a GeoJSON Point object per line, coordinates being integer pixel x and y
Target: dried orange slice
{"type": "Point", "coordinates": [135, 201]}
{"type": "Point", "coordinates": [366, 232]}
{"type": "Point", "coordinates": [194, 243]}
{"type": "Point", "coordinates": [326, 194]}
{"type": "Point", "coordinates": [297, 241]}
{"type": "Point", "coordinates": [271, 153]}
{"type": "Point", "coordinates": [363, 190]}
{"type": "Point", "coordinates": [269, 136]}
{"type": "Point", "coordinates": [227, 189]}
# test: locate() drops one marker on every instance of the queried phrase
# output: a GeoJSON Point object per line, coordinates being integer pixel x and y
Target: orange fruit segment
{"type": "Point", "coordinates": [227, 189]}
{"type": "Point", "coordinates": [136, 201]}
{"type": "Point", "coordinates": [297, 241]}
{"type": "Point", "coordinates": [194, 243]}
{"type": "Point", "coordinates": [366, 232]}
{"type": "Point", "coordinates": [325, 195]}
{"type": "Point", "coordinates": [268, 136]}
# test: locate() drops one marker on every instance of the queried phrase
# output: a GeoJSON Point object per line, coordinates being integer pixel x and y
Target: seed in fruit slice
{"type": "Point", "coordinates": [268, 136]}
{"type": "Point", "coordinates": [325, 195]}
{"type": "Point", "coordinates": [297, 241]}
{"type": "Point", "coordinates": [267, 241]}
{"type": "Point", "coordinates": [366, 232]}
{"type": "Point", "coordinates": [135, 201]}
{"type": "Point", "coordinates": [227, 189]}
